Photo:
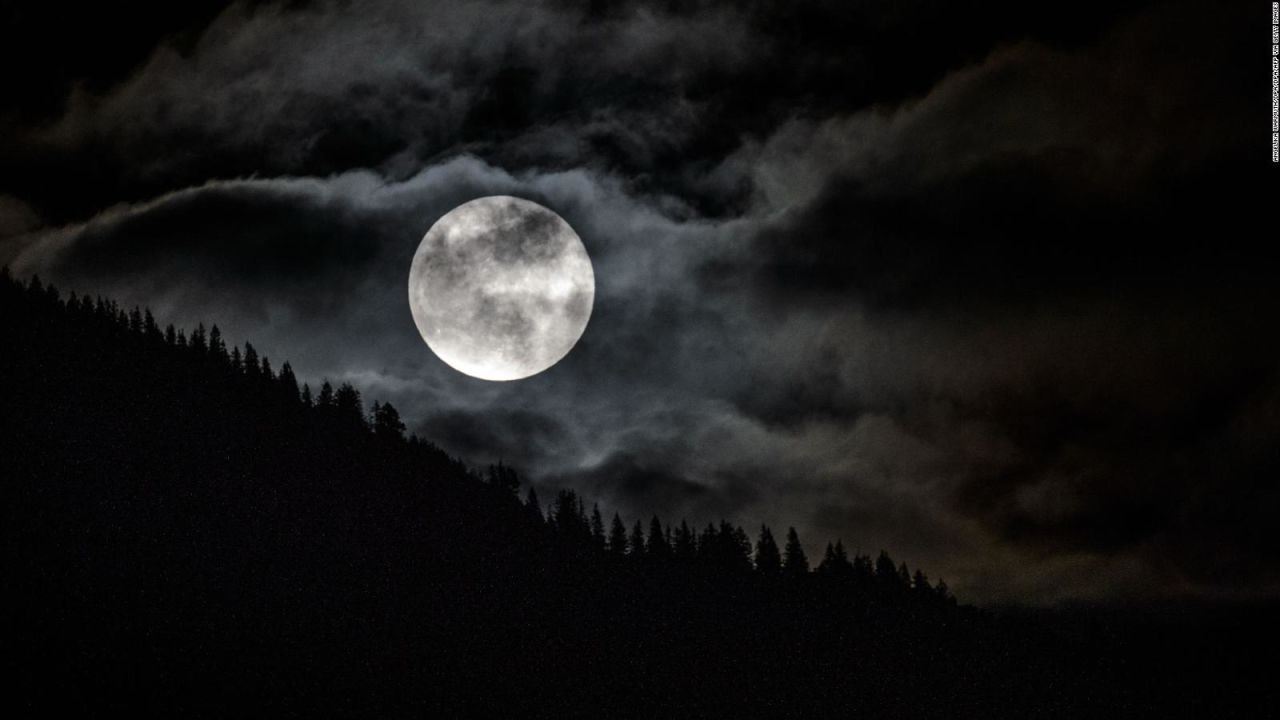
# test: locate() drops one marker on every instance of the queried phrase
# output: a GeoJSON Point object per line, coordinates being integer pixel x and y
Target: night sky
{"type": "Point", "coordinates": [984, 286]}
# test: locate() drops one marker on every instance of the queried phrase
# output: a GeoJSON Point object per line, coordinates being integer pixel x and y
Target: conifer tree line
{"type": "Point", "coordinates": [721, 546]}
{"type": "Point", "coordinates": [343, 404]}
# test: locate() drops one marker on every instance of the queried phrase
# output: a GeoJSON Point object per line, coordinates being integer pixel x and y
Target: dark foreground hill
{"type": "Point", "coordinates": [188, 533]}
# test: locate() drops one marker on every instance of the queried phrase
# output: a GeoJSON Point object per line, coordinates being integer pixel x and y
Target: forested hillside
{"type": "Point", "coordinates": [189, 532]}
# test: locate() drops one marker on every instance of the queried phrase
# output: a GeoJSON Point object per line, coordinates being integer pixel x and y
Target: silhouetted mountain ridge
{"type": "Point", "coordinates": [188, 531]}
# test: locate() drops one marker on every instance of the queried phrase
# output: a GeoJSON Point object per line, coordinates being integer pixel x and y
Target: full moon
{"type": "Point", "coordinates": [501, 288]}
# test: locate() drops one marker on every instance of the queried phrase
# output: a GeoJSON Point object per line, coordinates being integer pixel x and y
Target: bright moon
{"type": "Point", "coordinates": [501, 288]}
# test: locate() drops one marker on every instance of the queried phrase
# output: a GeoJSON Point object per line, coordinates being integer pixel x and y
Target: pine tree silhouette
{"type": "Point", "coordinates": [656, 546]}
{"type": "Point", "coordinates": [289, 384]}
{"type": "Point", "coordinates": [348, 406]}
{"type": "Point", "coordinates": [920, 583]}
{"type": "Point", "coordinates": [149, 326]}
{"type": "Point", "coordinates": [325, 400]}
{"type": "Point", "coordinates": [533, 508]}
{"type": "Point", "coordinates": [568, 518]}
{"type": "Point", "coordinates": [636, 543]}
{"type": "Point", "coordinates": [197, 340]}
{"type": "Point", "coordinates": [794, 562]}
{"type": "Point", "coordinates": [217, 347]}
{"type": "Point", "coordinates": [597, 528]}
{"type": "Point", "coordinates": [886, 571]}
{"type": "Point", "coordinates": [835, 562]}
{"type": "Point", "coordinates": [768, 559]}
{"type": "Point", "coordinates": [252, 364]}
{"type": "Point", "coordinates": [617, 536]}
{"type": "Point", "coordinates": [684, 546]}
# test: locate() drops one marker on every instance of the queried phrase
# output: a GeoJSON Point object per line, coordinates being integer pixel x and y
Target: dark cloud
{"type": "Point", "coordinates": [632, 480]}
{"type": "Point", "coordinates": [1157, 469]}
{"type": "Point", "coordinates": [1069, 203]}
{"type": "Point", "coordinates": [650, 89]}
{"type": "Point", "coordinates": [1012, 229]}
{"type": "Point", "coordinates": [243, 234]}
{"type": "Point", "coordinates": [295, 244]}
{"type": "Point", "coordinates": [643, 480]}
{"type": "Point", "coordinates": [978, 284]}
{"type": "Point", "coordinates": [16, 217]}
{"type": "Point", "coordinates": [1038, 172]}
{"type": "Point", "coordinates": [497, 435]}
